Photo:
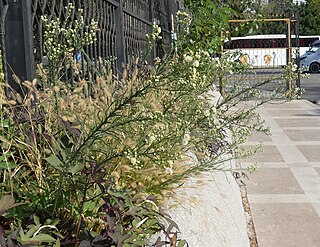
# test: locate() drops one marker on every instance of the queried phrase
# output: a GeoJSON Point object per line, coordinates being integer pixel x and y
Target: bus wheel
{"type": "Point", "coordinates": [314, 67]}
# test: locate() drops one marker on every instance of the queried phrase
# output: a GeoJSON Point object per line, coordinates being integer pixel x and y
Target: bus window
{"type": "Point", "coordinates": [253, 43]}
{"type": "Point", "coordinates": [301, 42]}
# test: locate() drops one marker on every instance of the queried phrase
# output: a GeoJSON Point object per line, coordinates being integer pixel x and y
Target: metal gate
{"type": "Point", "coordinates": [267, 55]}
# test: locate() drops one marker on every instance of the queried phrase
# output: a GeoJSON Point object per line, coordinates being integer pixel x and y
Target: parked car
{"type": "Point", "coordinates": [310, 61]}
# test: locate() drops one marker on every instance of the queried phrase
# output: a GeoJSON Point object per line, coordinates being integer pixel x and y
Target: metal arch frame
{"type": "Point", "coordinates": [286, 20]}
{"type": "Point", "coordinates": [289, 21]}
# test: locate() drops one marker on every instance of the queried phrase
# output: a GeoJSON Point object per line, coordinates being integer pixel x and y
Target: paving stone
{"type": "Point", "coordinates": [282, 113]}
{"type": "Point", "coordinates": [306, 143]}
{"type": "Point", "coordinates": [314, 112]}
{"type": "Point", "coordinates": [259, 137]}
{"type": "Point", "coordinates": [299, 164]}
{"type": "Point", "coordinates": [315, 164]}
{"type": "Point", "coordinates": [270, 153]}
{"type": "Point", "coordinates": [286, 225]}
{"type": "Point", "coordinates": [261, 165]}
{"type": "Point", "coordinates": [309, 180]}
{"type": "Point", "coordinates": [278, 198]}
{"type": "Point", "coordinates": [291, 153]}
{"type": "Point", "coordinates": [298, 122]}
{"type": "Point", "coordinates": [277, 105]}
{"type": "Point", "coordinates": [303, 135]}
{"type": "Point", "coordinates": [317, 208]}
{"type": "Point", "coordinates": [285, 192]}
{"type": "Point", "coordinates": [273, 181]}
{"type": "Point", "coordinates": [311, 152]}
{"type": "Point", "coordinates": [279, 137]}
{"type": "Point", "coordinates": [276, 165]}
{"type": "Point", "coordinates": [305, 104]}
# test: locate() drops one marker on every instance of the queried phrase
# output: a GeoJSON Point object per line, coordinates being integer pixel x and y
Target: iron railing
{"type": "Point", "coordinates": [123, 25]}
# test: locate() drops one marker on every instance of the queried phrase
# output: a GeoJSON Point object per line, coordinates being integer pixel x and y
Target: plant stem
{"type": "Point", "coordinates": [80, 213]}
{"type": "Point", "coordinates": [106, 120]}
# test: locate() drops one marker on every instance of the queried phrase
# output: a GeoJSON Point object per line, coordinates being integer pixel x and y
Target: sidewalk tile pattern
{"type": "Point", "coordinates": [284, 193]}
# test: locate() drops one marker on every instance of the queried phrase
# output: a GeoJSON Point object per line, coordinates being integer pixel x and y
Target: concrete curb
{"type": "Point", "coordinates": [209, 211]}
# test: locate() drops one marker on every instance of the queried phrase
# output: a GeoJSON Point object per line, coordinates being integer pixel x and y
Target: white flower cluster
{"type": "Point", "coordinates": [196, 57]}
{"type": "Point", "coordinates": [134, 161]}
{"type": "Point", "coordinates": [184, 19]}
{"type": "Point", "coordinates": [291, 72]}
{"type": "Point", "coordinates": [155, 35]}
{"type": "Point", "coordinates": [186, 139]}
{"type": "Point", "coordinates": [63, 37]}
{"type": "Point", "coordinates": [225, 63]}
{"type": "Point", "coordinates": [210, 112]}
{"type": "Point", "coordinates": [196, 60]}
{"type": "Point", "coordinates": [294, 68]}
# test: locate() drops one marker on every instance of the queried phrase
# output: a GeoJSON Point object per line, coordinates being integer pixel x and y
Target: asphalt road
{"type": "Point", "coordinates": [311, 86]}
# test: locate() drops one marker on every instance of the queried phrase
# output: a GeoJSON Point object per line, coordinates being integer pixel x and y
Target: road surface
{"type": "Point", "coordinates": [311, 86]}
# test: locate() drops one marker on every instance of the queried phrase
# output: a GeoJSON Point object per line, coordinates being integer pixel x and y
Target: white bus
{"type": "Point", "coordinates": [268, 50]}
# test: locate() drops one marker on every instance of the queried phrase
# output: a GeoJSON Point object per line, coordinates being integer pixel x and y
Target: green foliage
{"type": "Point", "coordinates": [277, 8]}
{"type": "Point", "coordinates": [64, 41]}
{"type": "Point", "coordinates": [246, 9]}
{"type": "Point", "coordinates": [207, 25]}
{"type": "Point", "coordinates": [67, 162]}
{"type": "Point", "coordinates": [92, 162]}
{"type": "Point", "coordinates": [255, 10]}
{"type": "Point", "coordinates": [310, 17]}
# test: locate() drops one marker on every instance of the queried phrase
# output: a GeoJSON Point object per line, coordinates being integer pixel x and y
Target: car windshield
{"type": "Point", "coordinates": [313, 48]}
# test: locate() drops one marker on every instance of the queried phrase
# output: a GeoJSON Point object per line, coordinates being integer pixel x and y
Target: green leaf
{"type": "Point", "coordinates": [32, 230]}
{"type": "Point", "coordinates": [76, 168]}
{"type": "Point", "coordinates": [36, 220]}
{"type": "Point", "coordinates": [42, 237]}
{"type": "Point", "coordinates": [182, 243]}
{"type": "Point", "coordinates": [136, 243]}
{"type": "Point", "coordinates": [7, 202]}
{"type": "Point", "coordinates": [57, 244]}
{"type": "Point", "coordinates": [7, 165]}
{"type": "Point", "coordinates": [55, 162]}
{"type": "Point", "coordinates": [5, 123]}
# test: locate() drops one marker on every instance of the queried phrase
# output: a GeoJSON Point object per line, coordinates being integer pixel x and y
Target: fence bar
{"type": "Point", "coordinates": [120, 44]}
{"type": "Point", "coordinates": [19, 43]}
{"type": "Point", "coordinates": [4, 5]}
{"type": "Point", "coordinates": [263, 20]}
{"type": "Point", "coordinates": [113, 2]}
{"type": "Point", "coordinates": [153, 54]}
{"type": "Point", "coordinates": [136, 16]}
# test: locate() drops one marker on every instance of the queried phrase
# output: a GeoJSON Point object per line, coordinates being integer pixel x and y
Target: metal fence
{"type": "Point", "coordinates": [123, 25]}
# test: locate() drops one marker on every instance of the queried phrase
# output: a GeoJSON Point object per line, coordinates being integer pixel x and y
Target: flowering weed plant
{"type": "Point", "coordinates": [92, 163]}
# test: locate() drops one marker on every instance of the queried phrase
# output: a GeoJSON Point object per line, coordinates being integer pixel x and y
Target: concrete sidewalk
{"type": "Point", "coordinates": [284, 193]}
